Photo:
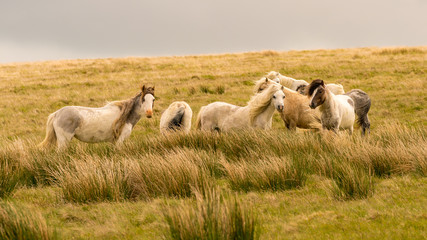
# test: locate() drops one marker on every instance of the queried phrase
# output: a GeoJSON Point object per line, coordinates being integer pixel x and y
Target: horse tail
{"type": "Point", "coordinates": [50, 133]}
{"type": "Point", "coordinates": [199, 119]}
{"type": "Point", "coordinates": [177, 118]}
{"type": "Point", "coordinates": [362, 104]}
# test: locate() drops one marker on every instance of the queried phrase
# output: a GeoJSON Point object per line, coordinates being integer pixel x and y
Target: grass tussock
{"type": "Point", "coordinates": [266, 174]}
{"type": "Point", "coordinates": [351, 182]}
{"type": "Point", "coordinates": [20, 223]}
{"type": "Point", "coordinates": [248, 160]}
{"type": "Point", "coordinates": [9, 177]}
{"type": "Point", "coordinates": [97, 179]}
{"type": "Point", "coordinates": [213, 217]}
{"type": "Point", "coordinates": [93, 180]}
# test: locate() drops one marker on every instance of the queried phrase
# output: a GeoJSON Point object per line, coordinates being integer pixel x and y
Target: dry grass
{"type": "Point", "coordinates": [266, 174]}
{"type": "Point", "coordinates": [18, 223]}
{"type": "Point", "coordinates": [273, 163]}
{"type": "Point", "coordinates": [213, 218]}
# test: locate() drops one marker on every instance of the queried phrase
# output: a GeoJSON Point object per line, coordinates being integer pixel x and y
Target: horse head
{"type": "Point", "coordinates": [147, 100]}
{"type": "Point", "coordinates": [316, 91]}
{"type": "Point", "coordinates": [277, 100]}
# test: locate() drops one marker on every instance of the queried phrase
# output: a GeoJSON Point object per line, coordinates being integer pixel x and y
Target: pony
{"type": "Point", "coordinates": [111, 123]}
{"type": "Point", "coordinates": [362, 103]}
{"type": "Point", "coordinates": [337, 111]}
{"type": "Point", "coordinates": [221, 116]}
{"type": "Point", "coordinates": [296, 112]}
{"type": "Point", "coordinates": [288, 82]}
{"type": "Point", "coordinates": [336, 89]}
{"type": "Point", "coordinates": [176, 117]}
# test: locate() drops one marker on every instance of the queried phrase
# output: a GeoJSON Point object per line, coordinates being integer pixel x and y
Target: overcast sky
{"type": "Point", "coordinates": [33, 30]}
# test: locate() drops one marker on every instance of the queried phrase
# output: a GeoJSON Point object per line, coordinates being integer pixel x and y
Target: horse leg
{"type": "Point", "coordinates": [63, 137]}
{"type": "Point", "coordinates": [292, 126]}
{"type": "Point", "coordinates": [365, 124]}
{"type": "Point", "coordinates": [126, 131]}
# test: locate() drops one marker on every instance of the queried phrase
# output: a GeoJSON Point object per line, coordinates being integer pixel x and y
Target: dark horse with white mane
{"type": "Point", "coordinates": [112, 123]}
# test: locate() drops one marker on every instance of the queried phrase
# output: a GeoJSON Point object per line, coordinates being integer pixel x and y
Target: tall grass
{"type": "Point", "coordinates": [351, 182]}
{"type": "Point", "coordinates": [9, 178]}
{"type": "Point", "coordinates": [97, 179]}
{"type": "Point", "coordinates": [266, 174]}
{"type": "Point", "coordinates": [248, 160]}
{"type": "Point", "coordinates": [20, 223]}
{"type": "Point", "coordinates": [213, 217]}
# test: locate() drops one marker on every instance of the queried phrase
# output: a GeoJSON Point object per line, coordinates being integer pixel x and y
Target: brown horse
{"type": "Point", "coordinates": [296, 112]}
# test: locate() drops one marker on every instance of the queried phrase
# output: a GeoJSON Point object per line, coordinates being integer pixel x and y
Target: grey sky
{"type": "Point", "coordinates": [32, 30]}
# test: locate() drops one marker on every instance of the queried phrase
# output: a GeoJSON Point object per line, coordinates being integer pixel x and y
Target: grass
{"type": "Point", "coordinates": [17, 223]}
{"type": "Point", "coordinates": [299, 185]}
{"type": "Point", "coordinates": [213, 218]}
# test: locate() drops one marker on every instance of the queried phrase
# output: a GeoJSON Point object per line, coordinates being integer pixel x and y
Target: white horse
{"type": "Point", "coordinates": [337, 110]}
{"type": "Point", "coordinates": [288, 82]}
{"type": "Point", "coordinates": [176, 117]}
{"type": "Point", "coordinates": [112, 123]}
{"type": "Point", "coordinates": [300, 85]}
{"type": "Point", "coordinates": [258, 113]}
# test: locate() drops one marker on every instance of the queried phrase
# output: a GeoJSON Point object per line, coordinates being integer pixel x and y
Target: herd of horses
{"type": "Point", "coordinates": [314, 105]}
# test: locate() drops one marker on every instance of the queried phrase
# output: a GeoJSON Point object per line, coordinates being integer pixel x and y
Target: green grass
{"type": "Point", "coordinates": [17, 222]}
{"type": "Point", "coordinates": [213, 218]}
{"type": "Point", "coordinates": [299, 185]}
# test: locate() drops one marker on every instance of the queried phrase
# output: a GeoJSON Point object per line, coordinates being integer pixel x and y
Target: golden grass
{"type": "Point", "coordinates": [253, 163]}
{"type": "Point", "coordinates": [213, 217]}
{"type": "Point", "coordinates": [18, 223]}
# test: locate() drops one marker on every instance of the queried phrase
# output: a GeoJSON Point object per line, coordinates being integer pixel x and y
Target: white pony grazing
{"type": "Point", "coordinates": [288, 82]}
{"type": "Point", "coordinates": [300, 85]}
{"type": "Point", "coordinates": [176, 117]}
{"type": "Point", "coordinates": [112, 123]}
{"type": "Point", "coordinates": [337, 110]}
{"type": "Point", "coordinates": [258, 113]}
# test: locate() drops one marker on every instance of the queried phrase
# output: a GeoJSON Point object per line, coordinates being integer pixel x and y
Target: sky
{"type": "Point", "coordinates": [78, 29]}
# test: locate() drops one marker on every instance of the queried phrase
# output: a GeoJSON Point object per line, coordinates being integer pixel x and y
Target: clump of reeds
{"type": "Point", "coordinates": [266, 174]}
{"type": "Point", "coordinates": [97, 179]}
{"type": "Point", "coordinates": [351, 182]}
{"type": "Point", "coordinates": [20, 223]}
{"type": "Point", "coordinates": [9, 177]}
{"type": "Point", "coordinates": [213, 217]}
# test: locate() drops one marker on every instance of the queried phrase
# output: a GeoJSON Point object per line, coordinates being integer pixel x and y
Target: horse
{"type": "Point", "coordinates": [335, 88]}
{"type": "Point", "coordinates": [221, 116]}
{"type": "Point", "coordinates": [288, 82]}
{"type": "Point", "coordinates": [337, 111]}
{"type": "Point", "coordinates": [176, 117]}
{"type": "Point", "coordinates": [111, 123]}
{"type": "Point", "coordinates": [296, 112]}
{"type": "Point", "coordinates": [362, 103]}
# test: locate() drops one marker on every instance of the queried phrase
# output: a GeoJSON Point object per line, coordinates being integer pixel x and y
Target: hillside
{"type": "Point", "coordinates": [296, 185]}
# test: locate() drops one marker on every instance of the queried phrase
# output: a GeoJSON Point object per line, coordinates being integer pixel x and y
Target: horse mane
{"type": "Point", "coordinates": [260, 101]}
{"type": "Point", "coordinates": [127, 107]}
{"type": "Point", "coordinates": [313, 85]}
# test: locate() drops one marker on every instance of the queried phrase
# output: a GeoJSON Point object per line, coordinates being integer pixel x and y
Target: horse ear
{"type": "Point", "coordinates": [266, 79]}
{"type": "Point", "coordinates": [282, 88]}
{"type": "Point", "coordinates": [143, 88]}
{"type": "Point", "coordinates": [154, 87]}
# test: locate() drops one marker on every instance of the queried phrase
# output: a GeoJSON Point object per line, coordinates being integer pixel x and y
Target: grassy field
{"type": "Point", "coordinates": [257, 184]}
